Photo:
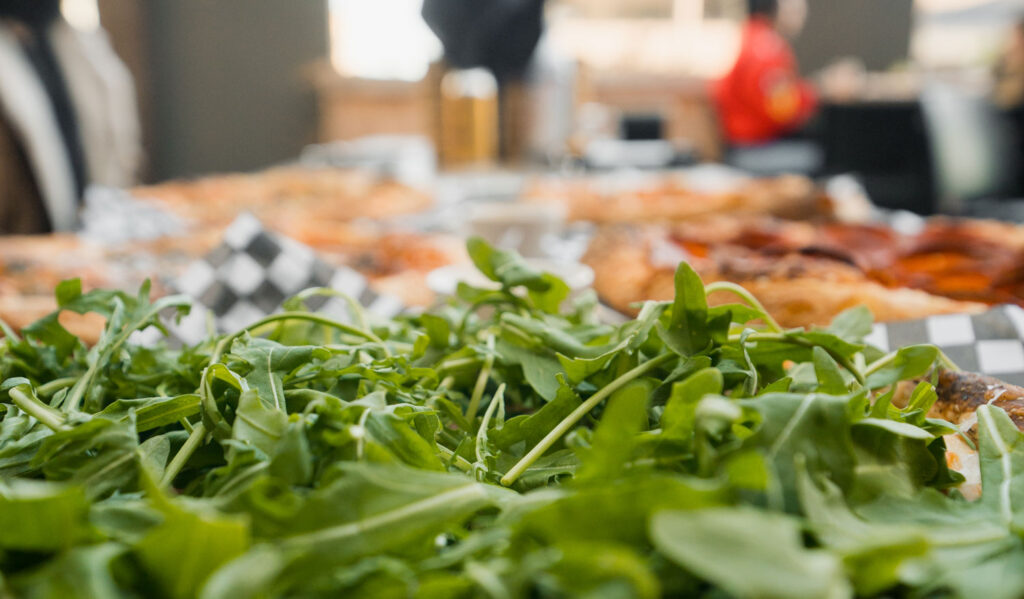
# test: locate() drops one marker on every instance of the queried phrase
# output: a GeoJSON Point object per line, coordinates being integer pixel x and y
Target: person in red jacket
{"type": "Point", "coordinates": [763, 97]}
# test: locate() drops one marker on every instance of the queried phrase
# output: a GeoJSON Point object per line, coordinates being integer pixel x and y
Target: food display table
{"type": "Point", "coordinates": [739, 427]}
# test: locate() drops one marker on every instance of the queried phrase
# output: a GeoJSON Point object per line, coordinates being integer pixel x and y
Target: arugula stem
{"type": "Point", "coordinates": [55, 385]}
{"type": "Point", "coordinates": [481, 382]}
{"type": "Point", "coordinates": [464, 321]}
{"type": "Point", "coordinates": [455, 459]}
{"type": "Point", "coordinates": [242, 478]}
{"type": "Point", "coordinates": [859, 361]}
{"type": "Point", "coordinates": [943, 361]}
{"type": "Point", "coordinates": [361, 441]}
{"type": "Point", "coordinates": [8, 331]}
{"type": "Point", "coordinates": [223, 344]}
{"type": "Point", "coordinates": [77, 392]}
{"type": "Point", "coordinates": [669, 460]}
{"type": "Point", "coordinates": [51, 418]}
{"type": "Point", "coordinates": [448, 437]}
{"type": "Point", "coordinates": [519, 333]}
{"type": "Point", "coordinates": [879, 363]}
{"type": "Point", "coordinates": [746, 296]}
{"type": "Point", "coordinates": [353, 306]}
{"type": "Point", "coordinates": [947, 363]}
{"type": "Point", "coordinates": [570, 421]}
{"type": "Point", "coordinates": [840, 359]}
{"type": "Point", "coordinates": [481, 435]}
{"type": "Point", "coordinates": [469, 494]}
{"type": "Point", "coordinates": [195, 439]}
{"type": "Point", "coordinates": [457, 363]}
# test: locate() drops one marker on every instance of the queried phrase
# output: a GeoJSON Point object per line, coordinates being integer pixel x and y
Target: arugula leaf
{"type": "Point", "coordinates": [634, 335]}
{"type": "Point", "coordinates": [814, 427]}
{"type": "Point", "coordinates": [81, 573]}
{"type": "Point", "coordinates": [906, 363]}
{"type": "Point", "coordinates": [407, 433]}
{"type": "Point", "coordinates": [99, 455]}
{"type": "Point", "coordinates": [681, 409]}
{"type": "Point", "coordinates": [541, 372]}
{"type": "Point", "coordinates": [530, 429]}
{"type": "Point", "coordinates": [687, 331]}
{"type": "Point", "coordinates": [603, 569]}
{"type": "Point", "coordinates": [736, 313]}
{"type": "Point", "coordinates": [852, 325]}
{"type": "Point", "coordinates": [692, 451]}
{"type": "Point", "coordinates": [830, 378]}
{"type": "Point", "coordinates": [507, 268]}
{"type": "Point", "coordinates": [624, 509]}
{"type": "Point", "coordinates": [258, 424]}
{"type": "Point", "coordinates": [549, 300]}
{"type": "Point", "coordinates": [438, 330]}
{"type": "Point", "coordinates": [715, 544]}
{"type": "Point", "coordinates": [615, 436]}
{"type": "Point", "coordinates": [50, 333]}
{"type": "Point", "coordinates": [269, 362]}
{"type": "Point", "coordinates": [369, 510]}
{"type": "Point", "coordinates": [1001, 447]}
{"type": "Point", "coordinates": [874, 555]}
{"type": "Point", "coordinates": [42, 516]}
{"type": "Point", "coordinates": [188, 546]}
{"type": "Point", "coordinates": [153, 412]}
{"type": "Point", "coordinates": [127, 316]}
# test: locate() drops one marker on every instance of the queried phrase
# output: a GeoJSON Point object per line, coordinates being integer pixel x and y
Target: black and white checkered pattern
{"type": "Point", "coordinates": [253, 271]}
{"type": "Point", "coordinates": [990, 343]}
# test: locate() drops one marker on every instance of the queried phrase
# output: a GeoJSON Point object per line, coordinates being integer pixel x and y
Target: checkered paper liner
{"type": "Point", "coordinates": [991, 342]}
{"type": "Point", "coordinates": [252, 272]}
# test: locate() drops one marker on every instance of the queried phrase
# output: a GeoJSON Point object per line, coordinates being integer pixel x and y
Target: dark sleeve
{"type": "Point", "coordinates": [21, 205]}
{"type": "Point", "coordinates": [498, 34]}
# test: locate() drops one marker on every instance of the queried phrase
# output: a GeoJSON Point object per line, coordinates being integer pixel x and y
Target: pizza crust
{"type": "Point", "coordinates": [797, 290]}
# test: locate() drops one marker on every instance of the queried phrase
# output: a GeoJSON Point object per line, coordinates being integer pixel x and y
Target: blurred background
{"type": "Point", "coordinates": [238, 85]}
{"type": "Point", "coordinates": [243, 84]}
{"type": "Point", "coordinates": [381, 132]}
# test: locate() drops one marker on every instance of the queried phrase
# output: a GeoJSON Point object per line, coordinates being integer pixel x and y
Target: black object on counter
{"type": "Point", "coordinates": [886, 145]}
{"type": "Point", "coordinates": [499, 35]}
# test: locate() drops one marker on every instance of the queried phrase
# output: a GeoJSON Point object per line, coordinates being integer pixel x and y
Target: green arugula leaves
{"type": "Point", "coordinates": [505, 444]}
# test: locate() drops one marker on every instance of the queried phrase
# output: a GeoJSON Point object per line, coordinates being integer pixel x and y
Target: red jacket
{"type": "Point", "coordinates": [762, 97]}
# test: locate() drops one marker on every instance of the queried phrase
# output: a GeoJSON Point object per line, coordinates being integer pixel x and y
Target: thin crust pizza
{"type": "Point", "coordinates": [674, 198]}
{"type": "Point", "coordinates": [288, 195]}
{"type": "Point", "coordinates": [805, 274]}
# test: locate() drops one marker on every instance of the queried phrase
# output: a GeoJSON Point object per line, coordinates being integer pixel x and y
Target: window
{"type": "Point", "coordinates": [381, 39]}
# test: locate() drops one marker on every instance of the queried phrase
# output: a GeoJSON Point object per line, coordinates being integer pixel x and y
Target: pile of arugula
{"type": "Point", "coordinates": [495, 447]}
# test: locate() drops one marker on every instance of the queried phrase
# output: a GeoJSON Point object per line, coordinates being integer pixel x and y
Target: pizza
{"type": "Point", "coordinates": [395, 262]}
{"type": "Point", "coordinates": [960, 394]}
{"type": "Point", "coordinates": [674, 198]}
{"type": "Point", "coordinates": [286, 195]}
{"type": "Point", "coordinates": [807, 273]}
{"type": "Point", "coordinates": [344, 215]}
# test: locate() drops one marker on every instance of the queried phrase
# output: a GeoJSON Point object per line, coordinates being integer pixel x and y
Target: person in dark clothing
{"type": "Point", "coordinates": [499, 35]}
{"type": "Point", "coordinates": [67, 117]}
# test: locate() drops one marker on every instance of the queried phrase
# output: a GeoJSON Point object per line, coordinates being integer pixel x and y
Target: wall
{"type": "Point", "coordinates": [122, 20]}
{"type": "Point", "coordinates": [876, 31]}
{"type": "Point", "coordinates": [228, 83]}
